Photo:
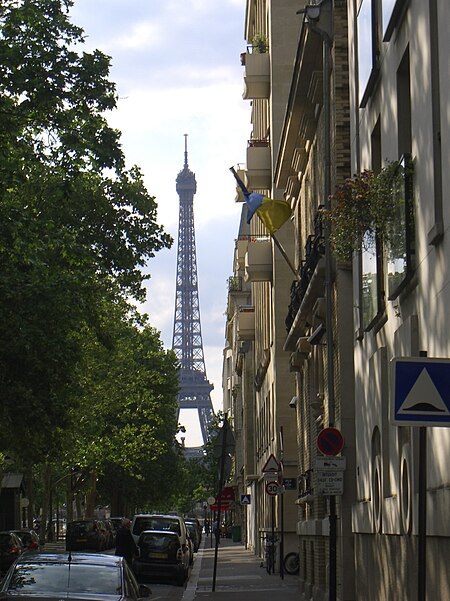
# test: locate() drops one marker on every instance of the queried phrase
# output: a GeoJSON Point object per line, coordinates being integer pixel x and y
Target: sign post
{"type": "Point", "coordinates": [420, 396]}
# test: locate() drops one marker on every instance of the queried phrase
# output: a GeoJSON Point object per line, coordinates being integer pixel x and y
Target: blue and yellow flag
{"type": "Point", "coordinates": [273, 213]}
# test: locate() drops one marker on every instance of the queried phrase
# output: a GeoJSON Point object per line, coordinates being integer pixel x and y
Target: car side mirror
{"type": "Point", "coordinates": [144, 591]}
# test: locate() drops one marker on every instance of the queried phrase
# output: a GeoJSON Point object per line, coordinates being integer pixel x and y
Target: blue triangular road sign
{"type": "Point", "coordinates": [245, 499]}
{"type": "Point", "coordinates": [420, 391]}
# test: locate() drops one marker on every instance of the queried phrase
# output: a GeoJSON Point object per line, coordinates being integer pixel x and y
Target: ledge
{"type": "Point", "coordinates": [314, 290]}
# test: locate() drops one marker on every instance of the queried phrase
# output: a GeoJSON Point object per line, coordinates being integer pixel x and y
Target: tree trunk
{"type": "Point", "coordinates": [69, 499]}
{"type": "Point", "coordinates": [47, 484]}
{"type": "Point", "coordinates": [91, 494]}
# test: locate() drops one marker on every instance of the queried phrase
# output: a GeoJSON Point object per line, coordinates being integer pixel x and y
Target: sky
{"type": "Point", "coordinates": [176, 65]}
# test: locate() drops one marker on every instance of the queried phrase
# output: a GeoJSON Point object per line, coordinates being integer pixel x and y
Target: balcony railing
{"type": "Point", "coordinates": [235, 283]}
{"type": "Point", "coordinates": [314, 250]}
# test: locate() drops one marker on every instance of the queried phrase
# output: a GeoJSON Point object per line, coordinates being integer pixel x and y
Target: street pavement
{"type": "Point", "coordinates": [239, 576]}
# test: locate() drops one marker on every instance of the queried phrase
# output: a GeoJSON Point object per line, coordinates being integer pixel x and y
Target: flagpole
{"type": "Point", "coordinates": [286, 258]}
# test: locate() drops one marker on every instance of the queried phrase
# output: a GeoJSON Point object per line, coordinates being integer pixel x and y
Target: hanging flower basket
{"type": "Point", "coordinates": [363, 210]}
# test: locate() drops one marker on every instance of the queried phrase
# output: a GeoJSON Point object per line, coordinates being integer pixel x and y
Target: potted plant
{"type": "Point", "coordinates": [259, 43]}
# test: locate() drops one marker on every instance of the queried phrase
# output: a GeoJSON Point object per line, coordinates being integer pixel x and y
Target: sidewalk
{"type": "Point", "coordinates": [239, 575]}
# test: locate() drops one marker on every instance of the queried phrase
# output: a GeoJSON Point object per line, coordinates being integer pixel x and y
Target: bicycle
{"type": "Point", "coordinates": [291, 563]}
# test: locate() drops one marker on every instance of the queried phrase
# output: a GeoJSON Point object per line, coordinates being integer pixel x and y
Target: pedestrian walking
{"type": "Point", "coordinates": [125, 545]}
{"type": "Point", "coordinates": [216, 531]}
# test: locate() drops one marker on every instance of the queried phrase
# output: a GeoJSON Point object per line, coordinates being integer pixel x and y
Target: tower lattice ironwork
{"type": "Point", "coordinates": [187, 336]}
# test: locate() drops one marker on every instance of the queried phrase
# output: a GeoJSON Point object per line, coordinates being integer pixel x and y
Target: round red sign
{"type": "Point", "coordinates": [330, 441]}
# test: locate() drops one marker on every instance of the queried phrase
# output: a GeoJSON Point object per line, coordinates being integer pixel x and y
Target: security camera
{"type": "Point", "coordinates": [293, 402]}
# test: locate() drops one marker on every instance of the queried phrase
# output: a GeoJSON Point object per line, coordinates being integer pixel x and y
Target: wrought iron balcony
{"type": "Point", "coordinates": [314, 250]}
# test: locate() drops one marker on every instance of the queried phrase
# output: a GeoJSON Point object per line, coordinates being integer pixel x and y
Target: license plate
{"type": "Point", "coordinates": [81, 540]}
{"type": "Point", "coordinates": [157, 555]}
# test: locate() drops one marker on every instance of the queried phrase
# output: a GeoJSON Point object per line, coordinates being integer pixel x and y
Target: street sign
{"type": "Point", "coordinates": [271, 465]}
{"type": "Point", "coordinates": [290, 483]}
{"type": "Point", "coordinates": [330, 441]}
{"type": "Point", "coordinates": [272, 488]}
{"type": "Point", "coordinates": [330, 463]}
{"type": "Point", "coordinates": [211, 500]}
{"type": "Point", "coordinates": [270, 476]}
{"type": "Point", "coordinates": [329, 482]}
{"type": "Point", "coordinates": [245, 499]}
{"type": "Point", "coordinates": [420, 391]}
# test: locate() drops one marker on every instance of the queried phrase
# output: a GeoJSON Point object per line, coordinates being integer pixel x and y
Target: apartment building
{"type": "Point", "coordinates": [400, 107]}
{"type": "Point", "coordinates": [350, 108]}
{"type": "Point", "coordinates": [255, 362]}
{"type": "Point", "coordinates": [313, 158]}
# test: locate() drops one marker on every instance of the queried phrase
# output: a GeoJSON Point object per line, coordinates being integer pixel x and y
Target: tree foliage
{"type": "Point", "coordinates": [76, 229]}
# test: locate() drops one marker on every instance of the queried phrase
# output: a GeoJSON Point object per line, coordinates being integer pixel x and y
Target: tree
{"type": "Point", "coordinates": [76, 226]}
{"type": "Point", "coordinates": [124, 413]}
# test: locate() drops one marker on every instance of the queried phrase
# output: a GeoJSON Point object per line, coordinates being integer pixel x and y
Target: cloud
{"type": "Point", "coordinates": [142, 36]}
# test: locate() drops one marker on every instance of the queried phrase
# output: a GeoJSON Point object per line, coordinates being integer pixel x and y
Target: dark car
{"type": "Point", "coordinates": [116, 523]}
{"type": "Point", "coordinates": [86, 535]}
{"type": "Point", "coordinates": [110, 534]}
{"type": "Point", "coordinates": [10, 549]}
{"type": "Point", "coordinates": [90, 576]}
{"type": "Point", "coordinates": [194, 534]}
{"type": "Point", "coordinates": [29, 538]}
{"type": "Point", "coordinates": [161, 556]}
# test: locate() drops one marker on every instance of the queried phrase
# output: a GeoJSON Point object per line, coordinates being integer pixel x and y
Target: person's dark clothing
{"type": "Point", "coordinates": [125, 545]}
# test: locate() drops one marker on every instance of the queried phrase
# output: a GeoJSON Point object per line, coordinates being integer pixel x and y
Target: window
{"type": "Point", "coordinates": [368, 49]}
{"type": "Point", "coordinates": [391, 11]}
{"type": "Point", "coordinates": [371, 285]}
{"type": "Point", "coordinates": [372, 291]}
{"type": "Point", "coordinates": [400, 249]}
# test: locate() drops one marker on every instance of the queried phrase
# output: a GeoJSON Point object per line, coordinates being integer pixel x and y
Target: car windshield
{"type": "Point", "coordinates": [156, 523]}
{"type": "Point", "coordinates": [39, 578]}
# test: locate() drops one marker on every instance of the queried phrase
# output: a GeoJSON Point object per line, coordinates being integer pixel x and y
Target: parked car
{"type": "Point", "coordinates": [154, 521]}
{"type": "Point", "coordinates": [110, 534]}
{"type": "Point", "coordinates": [161, 555]}
{"type": "Point", "coordinates": [194, 534]}
{"type": "Point", "coordinates": [174, 523]}
{"type": "Point", "coordinates": [86, 535]}
{"type": "Point", "coordinates": [198, 525]}
{"type": "Point", "coordinates": [29, 538]}
{"type": "Point", "coordinates": [116, 523]}
{"type": "Point", "coordinates": [90, 576]}
{"type": "Point", "coordinates": [10, 549]}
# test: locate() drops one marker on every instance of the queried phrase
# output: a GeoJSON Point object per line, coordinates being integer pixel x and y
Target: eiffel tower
{"type": "Point", "coordinates": [187, 336]}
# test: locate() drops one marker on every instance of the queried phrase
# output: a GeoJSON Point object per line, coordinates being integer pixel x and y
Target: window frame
{"type": "Point", "coordinates": [391, 16]}
{"type": "Point", "coordinates": [380, 292]}
{"type": "Point", "coordinates": [371, 6]}
{"type": "Point", "coordinates": [405, 163]}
